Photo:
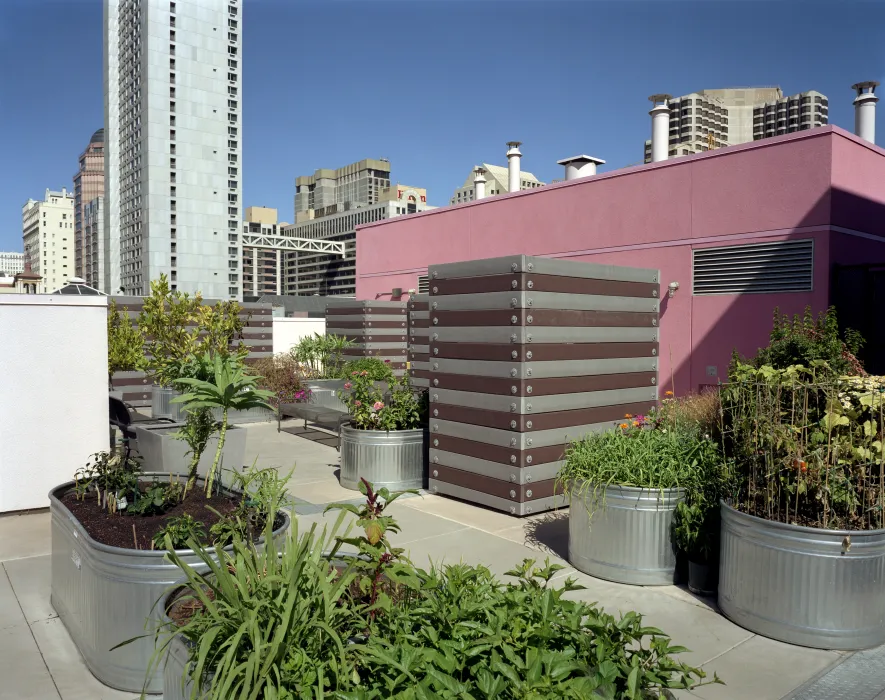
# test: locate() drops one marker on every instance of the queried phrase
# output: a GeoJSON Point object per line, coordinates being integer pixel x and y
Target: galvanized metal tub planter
{"type": "Point", "coordinates": [622, 534]}
{"type": "Point", "coordinates": [161, 452]}
{"type": "Point", "coordinates": [393, 459]}
{"type": "Point", "coordinates": [803, 585]}
{"type": "Point", "coordinates": [163, 407]}
{"type": "Point", "coordinates": [104, 595]}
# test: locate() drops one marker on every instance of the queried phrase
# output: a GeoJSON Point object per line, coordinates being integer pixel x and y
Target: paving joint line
{"type": "Point", "coordinates": [31, 632]}
{"type": "Point", "coordinates": [731, 648]}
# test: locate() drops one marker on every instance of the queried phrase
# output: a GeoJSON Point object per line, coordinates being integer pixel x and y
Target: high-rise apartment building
{"type": "Point", "coordinates": [12, 263]}
{"type": "Point", "coordinates": [329, 191]}
{"type": "Point", "coordinates": [173, 144]}
{"type": "Point", "coordinates": [48, 237]}
{"type": "Point", "coordinates": [710, 119]}
{"type": "Point", "coordinates": [95, 248]}
{"type": "Point", "coordinates": [88, 184]}
{"type": "Point", "coordinates": [496, 183]}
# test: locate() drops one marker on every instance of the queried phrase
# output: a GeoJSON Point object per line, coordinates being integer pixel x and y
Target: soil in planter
{"type": "Point", "coordinates": [116, 530]}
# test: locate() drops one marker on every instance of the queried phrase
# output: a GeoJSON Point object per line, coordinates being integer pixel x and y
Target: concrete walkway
{"type": "Point", "coordinates": [38, 660]}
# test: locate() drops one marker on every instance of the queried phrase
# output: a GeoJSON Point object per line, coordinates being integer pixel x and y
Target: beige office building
{"type": "Point", "coordinates": [48, 237]}
{"type": "Point", "coordinates": [709, 119]}
{"type": "Point", "coordinates": [262, 267]}
{"type": "Point", "coordinates": [496, 183]}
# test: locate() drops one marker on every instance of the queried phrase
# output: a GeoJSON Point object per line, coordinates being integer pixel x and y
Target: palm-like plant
{"type": "Point", "coordinates": [231, 388]}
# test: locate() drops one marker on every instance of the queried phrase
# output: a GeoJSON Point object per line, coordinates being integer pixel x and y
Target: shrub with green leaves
{"type": "Point", "coordinates": [803, 340]}
{"type": "Point", "coordinates": [178, 532]}
{"type": "Point", "coordinates": [639, 455]}
{"type": "Point", "coordinates": [377, 370]}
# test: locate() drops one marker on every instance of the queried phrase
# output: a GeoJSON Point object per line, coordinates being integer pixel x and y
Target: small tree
{"type": "Point", "coordinates": [231, 389]}
{"type": "Point", "coordinates": [125, 342]}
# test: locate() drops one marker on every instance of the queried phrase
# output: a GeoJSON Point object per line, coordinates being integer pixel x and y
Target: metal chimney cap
{"type": "Point", "coordinates": [581, 159]}
{"type": "Point", "coordinates": [661, 97]}
{"type": "Point", "coordinates": [865, 84]}
{"type": "Point", "coordinates": [514, 144]}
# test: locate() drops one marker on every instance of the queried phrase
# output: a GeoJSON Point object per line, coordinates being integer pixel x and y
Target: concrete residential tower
{"type": "Point", "coordinates": [173, 144]}
{"type": "Point", "coordinates": [709, 119]}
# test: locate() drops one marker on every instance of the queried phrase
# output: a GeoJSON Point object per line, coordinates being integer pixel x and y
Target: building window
{"type": "Point", "coordinates": [231, 104]}
{"type": "Point", "coordinates": [231, 50]}
{"type": "Point", "coordinates": [231, 63]}
{"type": "Point", "coordinates": [232, 171]}
{"type": "Point", "coordinates": [172, 34]}
{"type": "Point", "coordinates": [231, 36]}
{"type": "Point", "coordinates": [231, 131]}
{"type": "Point", "coordinates": [172, 134]}
{"type": "Point", "coordinates": [232, 77]}
{"type": "Point", "coordinates": [171, 64]}
{"type": "Point", "coordinates": [231, 144]}
{"type": "Point", "coordinates": [171, 7]}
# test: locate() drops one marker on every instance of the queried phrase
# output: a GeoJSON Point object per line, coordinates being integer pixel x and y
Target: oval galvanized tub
{"type": "Point", "coordinates": [622, 534]}
{"type": "Point", "coordinates": [394, 460]}
{"type": "Point", "coordinates": [104, 595]}
{"type": "Point", "coordinates": [803, 585]}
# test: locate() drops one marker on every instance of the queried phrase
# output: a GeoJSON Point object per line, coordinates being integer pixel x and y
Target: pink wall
{"type": "Point", "coordinates": [653, 216]}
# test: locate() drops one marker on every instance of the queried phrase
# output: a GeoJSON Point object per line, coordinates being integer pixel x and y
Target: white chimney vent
{"type": "Point", "coordinates": [479, 183]}
{"type": "Point", "coordinates": [513, 158]}
{"type": "Point", "coordinates": [865, 110]}
{"type": "Point", "coordinates": [580, 166]}
{"type": "Point", "coordinates": [660, 127]}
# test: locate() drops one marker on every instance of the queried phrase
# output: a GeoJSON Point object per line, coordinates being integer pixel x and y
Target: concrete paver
{"type": "Point", "coordinates": [434, 528]}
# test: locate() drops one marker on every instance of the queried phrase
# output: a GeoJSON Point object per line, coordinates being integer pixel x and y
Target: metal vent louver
{"type": "Point", "coordinates": [423, 284]}
{"type": "Point", "coordinates": [784, 266]}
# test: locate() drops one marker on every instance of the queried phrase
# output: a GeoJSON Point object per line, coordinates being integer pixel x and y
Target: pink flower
{"type": "Point", "coordinates": [353, 374]}
{"type": "Point", "coordinates": [357, 403]}
{"type": "Point", "coordinates": [348, 385]}
{"type": "Point", "coordinates": [378, 405]}
{"type": "Point", "coordinates": [387, 362]}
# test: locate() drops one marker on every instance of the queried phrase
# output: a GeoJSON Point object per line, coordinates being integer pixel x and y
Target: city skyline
{"type": "Point", "coordinates": [591, 100]}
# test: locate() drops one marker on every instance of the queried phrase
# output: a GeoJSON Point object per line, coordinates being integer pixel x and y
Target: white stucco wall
{"type": "Point", "coordinates": [54, 414]}
{"type": "Point", "coordinates": [288, 331]}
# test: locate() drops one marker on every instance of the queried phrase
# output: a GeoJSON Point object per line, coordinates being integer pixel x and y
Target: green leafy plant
{"type": "Point", "coordinates": [199, 426]}
{"type": "Point", "coordinates": [125, 342]}
{"type": "Point", "coordinates": [807, 339]}
{"type": "Point", "coordinates": [180, 532]}
{"type": "Point", "coordinates": [178, 328]}
{"type": "Point", "coordinates": [111, 475]}
{"type": "Point", "coordinates": [231, 388]}
{"type": "Point", "coordinates": [464, 634]}
{"type": "Point", "coordinates": [377, 370]}
{"type": "Point", "coordinates": [156, 498]}
{"type": "Point", "coordinates": [370, 409]}
{"type": "Point", "coordinates": [379, 556]}
{"type": "Point", "coordinates": [806, 447]}
{"type": "Point", "coordinates": [261, 493]}
{"type": "Point", "coordinates": [321, 356]}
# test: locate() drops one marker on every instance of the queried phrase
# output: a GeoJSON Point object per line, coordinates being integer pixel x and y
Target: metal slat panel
{"type": "Point", "coordinates": [539, 505]}
{"type": "Point", "coordinates": [367, 317]}
{"type": "Point", "coordinates": [518, 441]}
{"type": "Point", "coordinates": [782, 266]}
{"type": "Point", "coordinates": [541, 370]}
{"type": "Point", "coordinates": [504, 472]}
{"type": "Point", "coordinates": [543, 300]}
{"type": "Point", "coordinates": [366, 331]}
{"type": "Point", "coordinates": [543, 404]}
{"type": "Point", "coordinates": [545, 266]}
{"type": "Point", "coordinates": [420, 349]}
{"type": "Point", "coordinates": [521, 335]}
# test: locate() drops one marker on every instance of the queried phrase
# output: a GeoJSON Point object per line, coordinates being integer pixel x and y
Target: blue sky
{"type": "Point", "coordinates": [436, 86]}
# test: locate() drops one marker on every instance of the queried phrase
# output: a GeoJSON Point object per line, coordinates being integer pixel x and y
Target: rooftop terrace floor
{"type": "Point", "coordinates": [38, 660]}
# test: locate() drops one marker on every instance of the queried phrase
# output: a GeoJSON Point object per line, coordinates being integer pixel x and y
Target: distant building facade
{"type": "Point", "coordinates": [12, 263]}
{"type": "Point", "coordinates": [88, 184]}
{"type": "Point", "coordinates": [48, 238]}
{"type": "Point", "coordinates": [96, 251]}
{"type": "Point", "coordinates": [262, 267]}
{"type": "Point", "coordinates": [496, 183]}
{"type": "Point", "coordinates": [708, 119]}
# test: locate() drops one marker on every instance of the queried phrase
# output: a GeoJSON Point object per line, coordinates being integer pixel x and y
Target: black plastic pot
{"type": "Point", "coordinates": [703, 578]}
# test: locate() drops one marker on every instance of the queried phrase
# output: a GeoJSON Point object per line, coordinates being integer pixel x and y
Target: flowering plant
{"type": "Point", "coordinates": [371, 409]}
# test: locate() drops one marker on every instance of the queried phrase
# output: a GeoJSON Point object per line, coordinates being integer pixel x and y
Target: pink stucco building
{"type": "Point", "coordinates": [823, 185]}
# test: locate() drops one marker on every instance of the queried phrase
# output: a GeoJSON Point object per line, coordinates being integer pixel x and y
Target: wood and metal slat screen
{"type": "Point", "coordinates": [375, 329]}
{"type": "Point", "coordinates": [524, 356]}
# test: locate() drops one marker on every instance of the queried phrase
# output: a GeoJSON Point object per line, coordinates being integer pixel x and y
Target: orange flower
{"type": "Point", "coordinates": [623, 426]}
{"type": "Point", "coordinates": [628, 415]}
{"type": "Point", "coordinates": [801, 465]}
{"type": "Point", "coordinates": [668, 393]}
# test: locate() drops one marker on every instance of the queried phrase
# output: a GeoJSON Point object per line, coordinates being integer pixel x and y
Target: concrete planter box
{"type": "Point", "coordinates": [622, 534]}
{"type": "Point", "coordinates": [105, 595]}
{"type": "Point", "coordinates": [163, 407]}
{"type": "Point", "coordinates": [394, 460]}
{"type": "Point", "coordinates": [802, 585]}
{"type": "Point", "coordinates": [161, 452]}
